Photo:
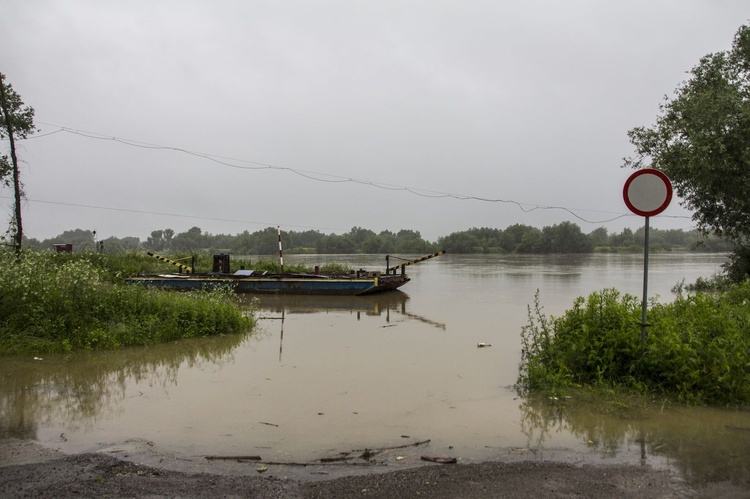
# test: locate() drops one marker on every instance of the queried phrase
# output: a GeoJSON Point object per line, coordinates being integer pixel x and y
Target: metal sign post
{"type": "Point", "coordinates": [647, 192]}
{"type": "Point", "coordinates": [645, 282]}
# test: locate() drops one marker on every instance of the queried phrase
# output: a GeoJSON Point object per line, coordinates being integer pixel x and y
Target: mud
{"type": "Point", "coordinates": [30, 470]}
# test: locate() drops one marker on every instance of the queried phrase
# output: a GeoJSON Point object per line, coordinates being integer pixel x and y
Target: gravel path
{"type": "Point", "coordinates": [30, 470]}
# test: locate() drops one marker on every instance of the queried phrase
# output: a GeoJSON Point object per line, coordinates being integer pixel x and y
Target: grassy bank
{"type": "Point", "coordinates": [697, 349]}
{"type": "Point", "coordinates": [54, 302]}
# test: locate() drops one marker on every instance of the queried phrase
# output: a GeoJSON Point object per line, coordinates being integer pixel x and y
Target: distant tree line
{"type": "Point", "coordinates": [565, 237]}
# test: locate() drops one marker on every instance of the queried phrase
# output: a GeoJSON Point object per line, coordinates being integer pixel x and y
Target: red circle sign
{"type": "Point", "coordinates": [647, 192]}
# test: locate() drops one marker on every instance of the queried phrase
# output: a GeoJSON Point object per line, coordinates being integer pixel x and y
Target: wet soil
{"type": "Point", "coordinates": [28, 469]}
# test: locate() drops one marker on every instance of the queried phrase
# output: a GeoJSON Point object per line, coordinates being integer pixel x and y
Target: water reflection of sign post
{"type": "Point", "coordinates": [647, 192]}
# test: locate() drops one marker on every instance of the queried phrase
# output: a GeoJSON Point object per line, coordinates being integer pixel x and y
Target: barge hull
{"type": "Point", "coordinates": [277, 285]}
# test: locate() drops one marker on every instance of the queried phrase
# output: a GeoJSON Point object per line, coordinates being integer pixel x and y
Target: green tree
{"type": "Point", "coordinates": [410, 241]}
{"type": "Point", "coordinates": [624, 239]}
{"type": "Point", "coordinates": [489, 240]}
{"type": "Point", "coordinates": [156, 240]}
{"type": "Point", "coordinates": [599, 237]}
{"type": "Point", "coordinates": [513, 237]}
{"type": "Point", "coordinates": [385, 242]}
{"type": "Point", "coordinates": [191, 240]}
{"type": "Point", "coordinates": [459, 242]}
{"type": "Point", "coordinates": [17, 123]}
{"type": "Point", "coordinates": [80, 239]}
{"type": "Point", "coordinates": [360, 235]}
{"type": "Point", "coordinates": [531, 241]}
{"type": "Point", "coordinates": [334, 244]}
{"type": "Point", "coordinates": [701, 140]}
{"type": "Point", "coordinates": [120, 245]}
{"type": "Point", "coordinates": [306, 239]}
{"type": "Point", "coordinates": [565, 237]}
{"type": "Point", "coordinates": [242, 244]}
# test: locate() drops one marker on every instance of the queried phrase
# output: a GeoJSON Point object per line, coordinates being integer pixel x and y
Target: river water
{"type": "Point", "coordinates": [324, 375]}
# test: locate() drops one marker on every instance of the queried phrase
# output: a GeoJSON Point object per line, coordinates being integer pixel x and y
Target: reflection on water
{"type": "Point", "coordinates": [391, 306]}
{"type": "Point", "coordinates": [707, 444]}
{"type": "Point", "coordinates": [369, 304]}
{"type": "Point", "coordinates": [342, 373]}
{"type": "Point", "coordinates": [78, 389]}
{"type": "Point", "coordinates": [384, 304]}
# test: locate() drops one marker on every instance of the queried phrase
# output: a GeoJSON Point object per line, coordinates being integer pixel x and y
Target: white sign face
{"type": "Point", "coordinates": [647, 192]}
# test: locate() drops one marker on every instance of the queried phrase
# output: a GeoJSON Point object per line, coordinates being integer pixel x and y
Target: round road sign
{"type": "Point", "coordinates": [647, 192]}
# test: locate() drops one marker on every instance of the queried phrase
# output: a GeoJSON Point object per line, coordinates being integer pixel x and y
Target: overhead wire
{"type": "Point", "coordinates": [175, 215]}
{"type": "Point", "coordinates": [329, 178]}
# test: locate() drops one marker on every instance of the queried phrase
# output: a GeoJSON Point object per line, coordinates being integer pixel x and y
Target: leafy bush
{"type": "Point", "coordinates": [52, 303]}
{"type": "Point", "coordinates": [696, 348]}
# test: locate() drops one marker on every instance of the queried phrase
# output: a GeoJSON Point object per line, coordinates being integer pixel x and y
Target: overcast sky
{"type": "Point", "coordinates": [521, 101]}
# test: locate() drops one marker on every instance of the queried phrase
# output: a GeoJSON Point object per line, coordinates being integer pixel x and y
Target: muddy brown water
{"type": "Point", "coordinates": [325, 375]}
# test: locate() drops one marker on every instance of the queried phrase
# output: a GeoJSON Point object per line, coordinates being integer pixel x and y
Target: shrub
{"type": "Point", "coordinates": [53, 303]}
{"type": "Point", "coordinates": [696, 348]}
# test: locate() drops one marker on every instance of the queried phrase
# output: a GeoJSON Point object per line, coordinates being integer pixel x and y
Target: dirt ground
{"type": "Point", "coordinates": [29, 470]}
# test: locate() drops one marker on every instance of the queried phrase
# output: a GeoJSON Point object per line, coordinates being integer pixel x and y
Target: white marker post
{"type": "Point", "coordinates": [281, 254]}
{"type": "Point", "coordinates": [647, 192]}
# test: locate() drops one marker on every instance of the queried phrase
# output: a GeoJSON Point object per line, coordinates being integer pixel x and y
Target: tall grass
{"type": "Point", "coordinates": [697, 349]}
{"type": "Point", "coordinates": [52, 302]}
{"type": "Point", "coordinates": [138, 262]}
{"type": "Point", "coordinates": [274, 267]}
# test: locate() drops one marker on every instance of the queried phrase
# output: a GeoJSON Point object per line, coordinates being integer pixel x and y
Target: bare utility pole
{"type": "Point", "coordinates": [18, 236]}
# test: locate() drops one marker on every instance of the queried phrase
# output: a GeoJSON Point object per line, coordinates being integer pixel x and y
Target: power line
{"type": "Point", "coordinates": [329, 178]}
{"type": "Point", "coordinates": [213, 219]}
{"type": "Point", "coordinates": [175, 215]}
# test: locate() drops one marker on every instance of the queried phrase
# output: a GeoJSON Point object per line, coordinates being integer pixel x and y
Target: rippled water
{"type": "Point", "coordinates": [324, 375]}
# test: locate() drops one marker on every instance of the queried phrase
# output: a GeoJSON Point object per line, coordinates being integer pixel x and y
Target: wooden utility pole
{"type": "Point", "coordinates": [18, 236]}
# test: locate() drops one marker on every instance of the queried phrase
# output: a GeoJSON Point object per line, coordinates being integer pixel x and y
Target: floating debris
{"type": "Point", "coordinates": [233, 458]}
{"type": "Point", "coordinates": [440, 460]}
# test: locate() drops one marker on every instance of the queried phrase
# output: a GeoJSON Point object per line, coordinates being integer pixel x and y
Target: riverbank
{"type": "Point", "coordinates": [28, 469]}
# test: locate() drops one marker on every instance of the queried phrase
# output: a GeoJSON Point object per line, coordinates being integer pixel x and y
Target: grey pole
{"type": "Point", "coordinates": [645, 284]}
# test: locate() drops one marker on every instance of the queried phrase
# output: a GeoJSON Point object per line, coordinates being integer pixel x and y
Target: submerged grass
{"type": "Point", "coordinates": [53, 303]}
{"type": "Point", "coordinates": [697, 349]}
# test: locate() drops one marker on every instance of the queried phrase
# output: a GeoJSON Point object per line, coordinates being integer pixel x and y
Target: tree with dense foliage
{"type": "Point", "coordinates": [190, 240]}
{"type": "Point", "coordinates": [79, 238]}
{"type": "Point", "coordinates": [599, 237]}
{"type": "Point", "coordinates": [701, 140]}
{"type": "Point", "coordinates": [337, 244]}
{"type": "Point", "coordinates": [17, 123]}
{"type": "Point", "coordinates": [565, 237]}
{"type": "Point", "coordinates": [160, 239]}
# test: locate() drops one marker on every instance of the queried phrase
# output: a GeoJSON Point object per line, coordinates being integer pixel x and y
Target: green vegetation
{"type": "Point", "coordinates": [700, 140]}
{"type": "Point", "coordinates": [697, 346]}
{"type": "Point", "coordinates": [274, 267]}
{"type": "Point", "coordinates": [60, 302]}
{"type": "Point", "coordinates": [565, 237]}
{"type": "Point", "coordinates": [696, 349]}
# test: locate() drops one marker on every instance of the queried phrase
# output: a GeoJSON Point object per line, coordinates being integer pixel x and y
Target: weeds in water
{"type": "Point", "coordinates": [697, 348]}
{"type": "Point", "coordinates": [52, 303]}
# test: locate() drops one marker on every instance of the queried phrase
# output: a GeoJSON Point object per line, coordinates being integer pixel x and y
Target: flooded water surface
{"type": "Point", "coordinates": [325, 375]}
